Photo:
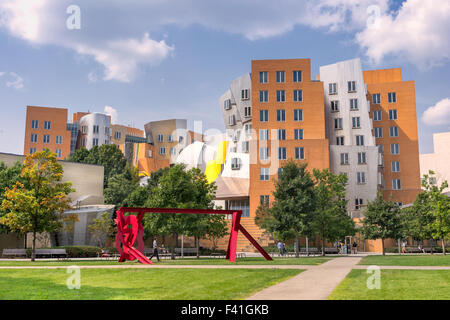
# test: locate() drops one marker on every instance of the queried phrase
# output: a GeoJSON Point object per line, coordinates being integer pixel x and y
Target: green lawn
{"type": "Point", "coordinates": [407, 260]}
{"type": "Point", "coordinates": [395, 285]}
{"type": "Point", "coordinates": [149, 284]}
{"type": "Point", "coordinates": [190, 261]}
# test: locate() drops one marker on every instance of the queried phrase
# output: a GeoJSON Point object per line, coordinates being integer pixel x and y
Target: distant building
{"type": "Point", "coordinates": [439, 160]}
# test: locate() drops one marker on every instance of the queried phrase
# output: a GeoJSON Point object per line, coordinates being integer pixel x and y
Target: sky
{"type": "Point", "coordinates": [143, 61]}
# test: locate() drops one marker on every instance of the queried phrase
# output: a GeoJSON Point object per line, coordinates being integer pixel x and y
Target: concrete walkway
{"type": "Point", "coordinates": [313, 284]}
{"type": "Point", "coordinates": [405, 267]}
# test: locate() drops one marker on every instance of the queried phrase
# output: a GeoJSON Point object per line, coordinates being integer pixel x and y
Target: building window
{"type": "Point", "coordinates": [395, 148]}
{"type": "Point", "coordinates": [150, 153]}
{"type": "Point", "coordinates": [299, 153]}
{"type": "Point", "coordinates": [281, 115]}
{"type": "Point", "coordinates": [393, 132]}
{"type": "Point", "coordinates": [162, 150]}
{"type": "Point", "coordinates": [227, 104]}
{"type": "Point", "coordinates": [335, 106]}
{"type": "Point", "coordinates": [263, 134]}
{"type": "Point", "coordinates": [378, 132]}
{"type": "Point", "coordinates": [340, 141]}
{"type": "Point", "coordinates": [160, 137]}
{"type": "Point", "coordinates": [395, 166]}
{"type": "Point", "coordinates": [298, 134]}
{"type": "Point", "coordinates": [238, 205]}
{"type": "Point", "coordinates": [359, 140]}
{"type": "Point", "coordinates": [46, 138]}
{"type": "Point", "coordinates": [297, 76]}
{"type": "Point", "coordinates": [235, 163]}
{"type": "Point", "coordinates": [338, 123]}
{"type": "Point", "coordinates": [298, 114]}
{"type": "Point", "coordinates": [281, 96]}
{"type": "Point", "coordinates": [47, 125]}
{"type": "Point", "coordinates": [169, 138]}
{"type": "Point", "coordinates": [380, 148]}
{"type": "Point", "coordinates": [344, 159]}
{"type": "Point", "coordinates": [263, 115]}
{"type": "Point", "coordinates": [95, 128]}
{"type": "Point", "coordinates": [351, 86]}
{"type": "Point", "coordinates": [280, 76]}
{"type": "Point", "coordinates": [248, 111]}
{"type": "Point", "coordinates": [393, 114]}
{"type": "Point", "coordinates": [263, 153]}
{"type": "Point", "coordinates": [361, 177]}
{"type": "Point", "coordinates": [84, 129]}
{"type": "Point", "coordinates": [245, 94]}
{"type": "Point", "coordinates": [281, 134]}
{"type": "Point", "coordinates": [353, 104]}
{"type": "Point", "coordinates": [83, 142]}
{"type": "Point", "coordinates": [118, 135]}
{"type": "Point", "coordinates": [246, 146]}
{"type": "Point", "coordinates": [95, 142]}
{"type": "Point", "coordinates": [263, 77]}
{"type": "Point", "coordinates": [361, 158]}
{"type": "Point", "coordinates": [377, 115]}
{"type": "Point", "coordinates": [58, 140]}
{"type": "Point", "coordinates": [58, 153]}
{"type": "Point", "coordinates": [332, 88]}
{"type": "Point", "coordinates": [32, 150]}
{"type": "Point", "coordinates": [396, 184]}
{"type": "Point", "coordinates": [248, 129]}
{"type": "Point", "coordinates": [358, 204]}
{"type": "Point", "coordinates": [107, 131]}
{"type": "Point", "coordinates": [298, 95]}
{"type": "Point", "coordinates": [264, 200]}
{"type": "Point", "coordinates": [263, 96]}
{"type": "Point", "coordinates": [279, 172]}
{"type": "Point", "coordinates": [173, 151]}
{"type": "Point", "coordinates": [376, 98]}
{"type": "Point", "coordinates": [281, 153]}
{"type": "Point", "coordinates": [231, 120]}
{"type": "Point", "coordinates": [33, 137]}
{"type": "Point", "coordinates": [34, 124]}
{"type": "Point", "coordinates": [392, 97]}
{"type": "Point", "coordinates": [356, 122]}
{"type": "Point", "coordinates": [264, 174]}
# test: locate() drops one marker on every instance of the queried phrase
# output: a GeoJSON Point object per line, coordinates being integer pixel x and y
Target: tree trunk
{"type": "Point", "coordinates": [198, 247]}
{"type": "Point", "coordinates": [443, 247]}
{"type": "Point", "coordinates": [172, 253]}
{"type": "Point", "coordinates": [33, 250]}
{"type": "Point", "coordinates": [307, 247]}
{"type": "Point", "coordinates": [399, 249]}
{"type": "Point", "coordinates": [296, 245]}
{"type": "Point", "coordinates": [323, 241]}
{"type": "Point", "coordinates": [56, 239]}
{"type": "Point", "coordinates": [382, 246]}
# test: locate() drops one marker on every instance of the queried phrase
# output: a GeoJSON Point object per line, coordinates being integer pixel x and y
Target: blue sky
{"type": "Point", "coordinates": [173, 59]}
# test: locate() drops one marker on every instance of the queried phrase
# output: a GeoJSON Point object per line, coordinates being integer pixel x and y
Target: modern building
{"type": "Point", "coordinates": [95, 130]}
{"type": "Point", "coordinates": [438, 161]}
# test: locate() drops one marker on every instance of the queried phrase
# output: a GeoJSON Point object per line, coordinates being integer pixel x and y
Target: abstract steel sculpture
{"type": "Point", "coordinates": [129, 228]}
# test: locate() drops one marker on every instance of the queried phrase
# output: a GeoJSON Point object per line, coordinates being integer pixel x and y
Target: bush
{"type": "Point", "coordinates": [81, 251]}
{"type": "Point", "coordinates": [208, 251]}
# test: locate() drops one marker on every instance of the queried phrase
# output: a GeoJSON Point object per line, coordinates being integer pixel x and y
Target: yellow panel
{"type": "Point", "coordinates": [212, 170]}
{"type": "Point", "coordinates": [221, 152]}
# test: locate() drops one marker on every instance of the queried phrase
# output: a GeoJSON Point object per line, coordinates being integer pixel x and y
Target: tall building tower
{"type": "Point", "coordinates": [47, 128]}
{"type": "Point", "coordinates": [353, 151]}
{"type": "Point", "coordinates": [393, 111]}
{"type": "Point", "coordinates": [95, 129]}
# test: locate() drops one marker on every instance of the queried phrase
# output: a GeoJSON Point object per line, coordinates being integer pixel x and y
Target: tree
{"type": "Point", "coordinates": [8, 178]}
{"type": "Point", "coordinates": [216, 228]}
{"type": "Point", "coordinates": [439, 206]}
{"type": "Point", "coordinates": [331, 220]}
{"type": "Point", "coordinates": [382, 220]}
{"type": "Point", "coordinates": [38, 204]}
{"type": "Point", "coordinates": [295, 202]}
{"type": "Point", "coordinates": [121, 186]}
{"type": "Point", "coordinates": [107, 155]}
{"type": "Point", "coordinates": [102, 228]}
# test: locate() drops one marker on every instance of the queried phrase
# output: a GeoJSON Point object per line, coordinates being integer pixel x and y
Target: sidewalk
{"type": "Point", "coordinates": [313, 284]}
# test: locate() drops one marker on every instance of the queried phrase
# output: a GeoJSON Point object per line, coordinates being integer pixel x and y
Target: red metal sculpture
{"type": "Point", "coordinates": [129, 228]}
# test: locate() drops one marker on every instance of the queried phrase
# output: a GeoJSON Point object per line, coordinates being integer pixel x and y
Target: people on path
{"type": "Point", "coordinates": [404, 247]}
{"type": "Point", "coordinates": [355, 247]}
{"type": "Point", "coordinates": [280, 248]}
{"type": "Point", "coordinates": [284, 248]}
{"type": "Point", "coordinates": [155, 250]}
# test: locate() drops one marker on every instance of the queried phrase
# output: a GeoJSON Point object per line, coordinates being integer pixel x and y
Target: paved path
{"type": "Point", "coordinates": [316, 283]}
{"type": "Point", "coordinates": [405, 267]}
{"type": "Point", "coordinates": [162, 266]}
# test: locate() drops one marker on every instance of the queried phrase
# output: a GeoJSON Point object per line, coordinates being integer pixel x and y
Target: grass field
{"type": "Point", "coordinates": [149, 284]}
{"type": "Point", "coordinates": [395, 285]}
{"type": "Point", "coordinates": [407, 260]}
{"type": "Point", "coordinates": [204, 261]}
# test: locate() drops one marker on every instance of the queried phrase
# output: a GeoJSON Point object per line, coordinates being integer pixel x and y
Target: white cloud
{"type": "Point", "coordinates": [92, 77]}
{"type": "Point", "coordinates": [112, 112]}
{"type": "Point", "coordinates": [16, 82]}
{"type": "Point", "coordinates": [439, 114]}
{"type": "Point", "coordinates": [2, 73]}
{"type": "Point", "coordinates": [419, 33]}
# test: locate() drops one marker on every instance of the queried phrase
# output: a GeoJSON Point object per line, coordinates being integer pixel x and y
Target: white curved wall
{"type": "Point", "coordinates": [104, 129]}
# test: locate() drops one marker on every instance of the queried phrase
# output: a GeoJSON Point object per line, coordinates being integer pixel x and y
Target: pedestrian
{"type": "Point", "coordinates": [403, 246]}
{"type": "Point", "coordinates": [355, 247]}
{"type": "Point", "coordinates": [339, 247]}
{"type": "Point", "coordinates": [295, 247]}
{"type": "Point", "coordinates": [280, 248]}
{"type": "Point", "coordinates": [155, 250]}
{"type": "Point", "coordinates": [284, 248]}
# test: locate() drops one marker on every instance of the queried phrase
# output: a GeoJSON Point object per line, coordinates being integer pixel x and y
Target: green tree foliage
{"type": "Point", "coordinates": [382, 220]}
{"type": "Point", "coordinates": [331, 221]}
{"type": "Point", "coordinates": [8, 178]}
{"type": "Point", "coordinates": [102, 228]}
{"type": "Point", "coordinates": [37, 204]}
{"type": "Point", "coordinates": [418, 219]}
{"type": "Point", "coordinates": [121, 186]}
{"type": "Point", "coordinates": [107, 155]}
{"type": "Point", "coordinates": [295, 202]}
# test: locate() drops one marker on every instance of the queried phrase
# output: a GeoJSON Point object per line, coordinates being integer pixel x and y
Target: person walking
{"type": "Point", "coordinates": [155, 250]}
{"type": "Point", "coordinates": [355, 247]}
{"type": "Point", "coordinates": [403, 246]}
{"type": "Point", "coordinates": [280, 248]}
